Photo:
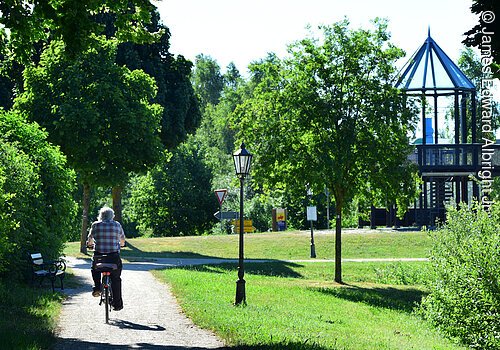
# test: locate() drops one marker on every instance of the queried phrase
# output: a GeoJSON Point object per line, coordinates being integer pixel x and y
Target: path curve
{"type": "Point", "coordinates": [150, 319]}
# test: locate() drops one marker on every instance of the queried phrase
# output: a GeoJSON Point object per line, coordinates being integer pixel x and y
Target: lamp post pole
{"type": "Point", "coordinates": [313, 247]}
{"type": "Point", "coordinates": [240, 283]}
{"type": "Point", "coordinates": [242, 161]}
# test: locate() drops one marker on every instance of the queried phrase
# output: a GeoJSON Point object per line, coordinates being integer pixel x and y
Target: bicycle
{"type": "Point", "coordinates": [105, 269]}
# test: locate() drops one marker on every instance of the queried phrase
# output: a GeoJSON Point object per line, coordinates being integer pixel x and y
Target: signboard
{"type": "Point", "coordinates": [221, 195]}
{"type": "Point", "coordinates": [227, 215]}
{"type": "Point", "coordinates": [312, 214]}
{"type": "Point", "coordinates": [247, 226]}
{"type": "Point", "coordinates": [280, 214]}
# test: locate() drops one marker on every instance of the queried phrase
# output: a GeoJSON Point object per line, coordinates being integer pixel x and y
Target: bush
{"type": "Point", "coordinates": [37, 210]}
{"type": "Point", "coordinates": [464, 299]}
{"type": "Point", "coordinates": [260, 209]}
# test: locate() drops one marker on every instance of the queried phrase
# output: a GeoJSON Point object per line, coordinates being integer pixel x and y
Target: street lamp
{"type": "Point", "coordinates": [242, 161]}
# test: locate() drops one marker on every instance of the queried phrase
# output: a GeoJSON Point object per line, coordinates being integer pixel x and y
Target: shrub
{"type": "Point", "coordinates": [464, 299]}
{"type": "Point", "coordinates": [36, 187]}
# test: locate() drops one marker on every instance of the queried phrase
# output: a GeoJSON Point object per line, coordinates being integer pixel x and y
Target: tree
{"type": "Point", "coordinates": [329, 115]}
{"type": "Point", "coordinates": [181, 114]}
{"type": "Point", "coordinates": [484, 35]}
{"type": "Point", "coordinates": [98, 112]}
{"type": "Point", "coordinates": [72, 21]}
{"type": "Point", "coordinates": [470, 63]}
{"type": "Point", "coordinates": [175, 197]}
{"type": "Point", "coordinates": [207, 80]}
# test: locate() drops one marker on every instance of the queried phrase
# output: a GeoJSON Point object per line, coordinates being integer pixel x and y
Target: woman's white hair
{"type": "Point", "coordinates": [106, 213]}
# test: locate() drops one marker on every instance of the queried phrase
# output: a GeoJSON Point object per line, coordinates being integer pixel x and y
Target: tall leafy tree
{"type": "Point", "coordinates": [181, 114]}
{"type": "Point", "coordinates": [175, 197]}
{"type": "Point", "coordinates": [98, 112]}
{"type": "Point", "coordinates": [329, 114]}
{"type": "Point", "coordinates": [207, 80]}
{"type": "Point", "coordinates": [72, 21]}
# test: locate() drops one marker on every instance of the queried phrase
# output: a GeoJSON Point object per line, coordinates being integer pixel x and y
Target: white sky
{"type": "Point", "coordinates": [244, 31]}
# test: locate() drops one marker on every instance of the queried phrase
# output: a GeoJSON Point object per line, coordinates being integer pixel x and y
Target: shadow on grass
{"type": "Point", "coordinates": [386, 297]}
{"type": "Point", "coordinates": [275, 268]}
{"type": "Point", "coordinates": [23, 309]}
{"type": "Point", "coordinates": [281, 346]}
{"type": "Point", "coordinates": [79, 344]}
{"type": "Point", "coordinates": [132, 251]}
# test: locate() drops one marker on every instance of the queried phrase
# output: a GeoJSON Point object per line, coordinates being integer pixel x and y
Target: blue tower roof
{"type": "Point", "coordinates": [431, 69]}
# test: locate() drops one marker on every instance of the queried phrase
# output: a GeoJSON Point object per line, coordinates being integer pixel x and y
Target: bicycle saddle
{"type": "Point", "coordinates": [105, 267]}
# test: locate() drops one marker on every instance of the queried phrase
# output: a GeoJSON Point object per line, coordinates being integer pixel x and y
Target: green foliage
{"type": "Point", "coordinates": [99, 113]}
{"type": "Point", "coordinates": [175, 197]}
{"type": "Point", "coordinates": [464, 298]}
{"type": "Point", "coordinates": [482, 31]}
{"type": "Point", "coordinates": [181, 112]}
{"type": "Point", "coordinates": [329, 115]}
{"type": "Point", "coordinates": [37, 211]}
{"type": "Point", "coordinates": [259, 208]}
{"type": "Point", "coordinates": [72, 21]}
{"type": "Point", "coordinates": [207, 80]}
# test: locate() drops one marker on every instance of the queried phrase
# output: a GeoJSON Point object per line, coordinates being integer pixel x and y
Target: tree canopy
{"type": "Point", "coordinates": [72, 21]}
{"type": "Point", "coordinates": [98, 112]}
{"type": "Point", "coordinates": [484, 35]}
{"type": "Point", "coordinates": [329, 115]}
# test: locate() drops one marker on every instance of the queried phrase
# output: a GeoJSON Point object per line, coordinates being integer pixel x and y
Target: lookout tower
{"type": "Point", "coordinates": [445, 163]}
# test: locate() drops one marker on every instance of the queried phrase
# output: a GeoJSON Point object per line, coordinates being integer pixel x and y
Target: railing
{"type": "Point", "coordinates": [455, 158]}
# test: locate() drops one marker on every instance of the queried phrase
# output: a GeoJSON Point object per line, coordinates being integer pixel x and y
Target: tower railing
{"type": "Point", "coordinates": [456, 157]}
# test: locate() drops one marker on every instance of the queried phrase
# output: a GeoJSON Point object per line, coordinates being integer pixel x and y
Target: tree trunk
{"type": "Point", "coordinates": [338, 244]}
{"type": "Point", "coordinates": [116, 193]}
{"type": "Point", "coordinates": [85, 217]}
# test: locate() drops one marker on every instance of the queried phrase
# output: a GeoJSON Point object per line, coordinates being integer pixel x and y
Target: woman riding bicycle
{"type": "Point", "coordinates": [106, 236]}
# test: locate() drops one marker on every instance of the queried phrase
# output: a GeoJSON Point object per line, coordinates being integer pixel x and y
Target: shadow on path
{"type": "Point", "coordinates": [138, 327]}
{"type": "Point", "coordinates": [276, 268]}
{"type": "Point", "coordinates": [76, 344]}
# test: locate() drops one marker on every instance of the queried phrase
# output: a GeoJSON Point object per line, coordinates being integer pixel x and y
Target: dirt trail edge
{"type": "Point", "coordinates": [150, 319]}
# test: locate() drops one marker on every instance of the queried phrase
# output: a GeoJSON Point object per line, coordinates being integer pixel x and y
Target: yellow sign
{"type": "Point", "coordinates": [247, 226]}
{"type": "Point", "coordinates": [280, 214]}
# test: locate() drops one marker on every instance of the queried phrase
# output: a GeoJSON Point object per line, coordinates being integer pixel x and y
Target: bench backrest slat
{"type": "Point", "coordinates": [37, 259]}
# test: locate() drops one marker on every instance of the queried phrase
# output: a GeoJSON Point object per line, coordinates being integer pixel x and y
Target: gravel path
{"type": "Point", "coordinates": [150, 319]}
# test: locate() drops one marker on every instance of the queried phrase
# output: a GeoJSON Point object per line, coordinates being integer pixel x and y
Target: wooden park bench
{"type": "Point", "coordinates": [50, 269]}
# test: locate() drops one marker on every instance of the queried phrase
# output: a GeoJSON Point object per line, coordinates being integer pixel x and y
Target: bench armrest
{"type": "Point", "coordinates": [55, 266]}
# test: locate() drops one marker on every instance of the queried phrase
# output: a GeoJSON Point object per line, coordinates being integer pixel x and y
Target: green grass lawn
{"type": "Point", "coordinates": [28, 316]}
{"type": "Point", "coordinates": [296, 306]}
{"type": "Point", "coordinates": [282, 246]}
